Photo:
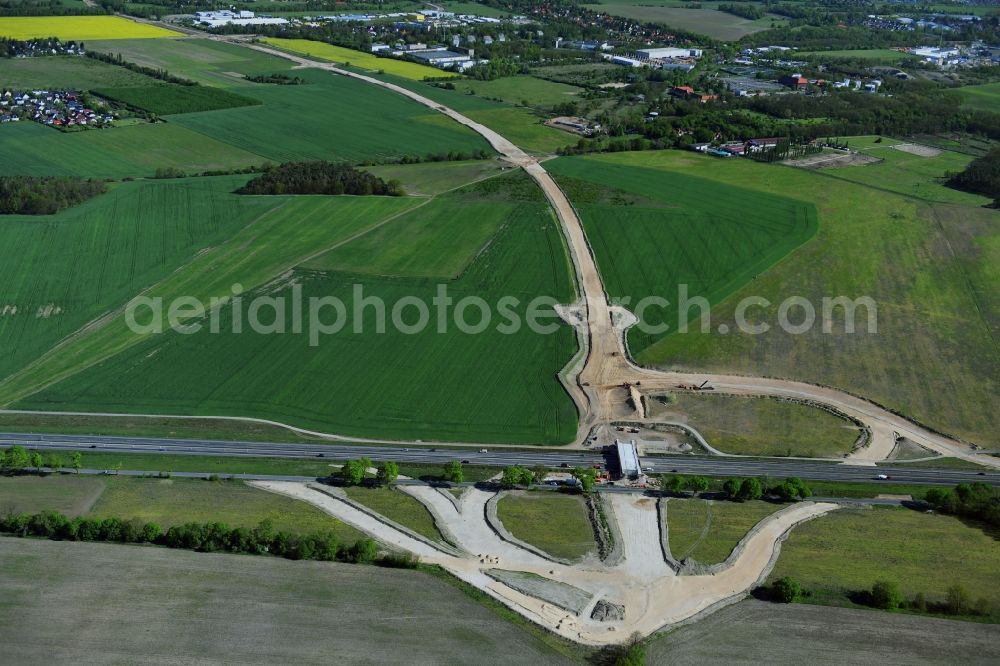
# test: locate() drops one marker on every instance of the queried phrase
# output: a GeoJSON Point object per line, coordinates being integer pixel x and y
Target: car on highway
{"type": "Point", "coordinates": [564, 465]}
{"type": "Point", "coordinates": [465, 462]}
{"type": "Point", "coordinates": [882, 477]}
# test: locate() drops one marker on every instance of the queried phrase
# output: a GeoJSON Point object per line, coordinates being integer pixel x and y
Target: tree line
{"type": "Point", "coordinates": [886, 595]}
{"type": "Point", "coordinates": [45, 195]}
{"type": "Point", "coordinates": [201, 537]}
{"type": "Point", "coordinates": [45, 8]}
{"type": "Point", "coordinates": [320, 178]}
{"type": "Point", "coordinates": [977, 501]}
{"type": "Point", "coordinates": [981, 176]}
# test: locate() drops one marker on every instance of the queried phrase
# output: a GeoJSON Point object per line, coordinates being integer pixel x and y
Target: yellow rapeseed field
{"type": "Point", "coordinates": [339, 54]}
{"type": "Point", "coordinates": [79, 28]}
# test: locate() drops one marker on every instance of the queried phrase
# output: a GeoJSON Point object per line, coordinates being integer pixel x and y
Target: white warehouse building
{"type": "Point", "coordinates": [667, 52]}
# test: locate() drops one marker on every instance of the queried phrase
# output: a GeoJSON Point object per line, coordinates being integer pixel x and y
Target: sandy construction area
{"type": "Point", "coordinates": [652, 594]}
{"type": "Point", "coordinates": [917, 149]}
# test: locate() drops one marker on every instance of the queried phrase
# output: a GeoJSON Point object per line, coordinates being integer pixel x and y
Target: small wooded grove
{"type": "Point", "coordinates": [201, 537]}
{"type": "Point", "coordinates": [44, 195]}
{"type": "Point", "coordinates": [982, 176]}
{"type": "Point", "coordinates": [977, 501]}
{"type": "Point", "coordinates": [320, 178]}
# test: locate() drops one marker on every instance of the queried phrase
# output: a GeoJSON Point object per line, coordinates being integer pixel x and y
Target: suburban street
{"type": "Point", "coordinates": [681, 464]}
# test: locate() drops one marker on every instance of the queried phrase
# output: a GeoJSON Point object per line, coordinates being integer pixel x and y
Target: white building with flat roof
{"type": "Point", "coordinates": [667, 52]}
{"type": "Point", "coordinates": [628, 459]}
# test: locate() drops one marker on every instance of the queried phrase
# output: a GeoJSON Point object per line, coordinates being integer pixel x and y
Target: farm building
{"type": "Point", "coordinates": [628, 459]}
{"type": "Point", "coordinates": [795, 81]}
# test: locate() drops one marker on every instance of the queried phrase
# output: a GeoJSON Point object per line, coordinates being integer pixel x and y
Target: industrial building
{"type": "Point", "coordinates": [442, 58]}
{"type": "Point", "coordinates": [628, 459]}
{"type": "Point", "coordinates": [219, 18]}
{"type": "Point", "coordinates": [667, 52]}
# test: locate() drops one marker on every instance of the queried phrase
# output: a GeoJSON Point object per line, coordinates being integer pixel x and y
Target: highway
{"type": "Point", "coordinates": [729, 466]}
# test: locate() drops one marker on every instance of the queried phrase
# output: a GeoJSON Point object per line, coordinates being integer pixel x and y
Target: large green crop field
{"type": "Point", "coordinates": [166, 99]}
{"type": "Point", "coordinates": [703, 20]}
{"type": "Point", "coordinates": [984, 97]}
{"type": "Point", "coordinates": [332, 118]}
{"type": "Point", "coordinates": [930, 268]}
{"type": "Point", "coordinates": [27, 148]}
{"type": "Point", "coordinates": [486, 387]}
{"type": "Point", "coordinates": [210, 63]}
{"type": "Point", "coordinates": [521, 89]}
{"type": "Point", "coordinates": [690, 231]}
{"type": "Point", "coordinates": [285, 231]}
{"type": "Point", "coordinates": [434, 241]}
{"type": "Point", "coordinates": [65, 72]}
{"type": "Point", "coordinates": [874, 56]}
{"type": "Point", "coordinates": [60, 272]}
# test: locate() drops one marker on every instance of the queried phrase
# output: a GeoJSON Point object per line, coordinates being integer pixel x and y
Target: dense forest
{"type": "Point", "coordinates": [982, 176]}
{"type": "Point", "coordinates": [320, 178]}
{"type": "Point", "coordinates": [31, 195]}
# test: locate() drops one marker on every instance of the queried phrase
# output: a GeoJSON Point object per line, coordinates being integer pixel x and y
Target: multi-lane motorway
{"type": "Point", "coordinates": [727, 466]}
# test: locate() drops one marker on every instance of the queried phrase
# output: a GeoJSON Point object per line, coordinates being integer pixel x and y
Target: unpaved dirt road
{"type": "Point", "coordinates": [652, 594]}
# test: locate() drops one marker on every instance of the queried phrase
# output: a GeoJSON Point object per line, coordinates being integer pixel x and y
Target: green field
{"type": "Point", "coordinates": [439, 240]}
{"type": "Point", "coordinates": [492, 386]}
{"type": "Point", "coordinates": [903, 172]}
{"type": "Point", "coordinates": [165, 99]}
{"type": "Point", "coordinates": [984, 97]}
{"type": "Point", "coordinates": [849, 549]}
{"type": "Point", "coordinates": [65, 72]}
{"type": "Point", "coordinates": [201, 60]}
{"type": "Point", "coordinates": [167, 502]}
{"type": "Point", "coordinates": [137, 426]}
{"type": "Point", "coordinates": [873, 56]}
{"type": "Point", "coordinates": [27, 148]}
{"type": "Point", "coordinates": [705, 21]}
{"type": "Point", "coordinates": [64, 271]}
{"type": "Point", "coordinates": [318, 222]}
{"type": "Point", "coordinates": [762, 632]}
{"type": "Point", "coordinates": [555, 523]}
{"type": "Point", "coordinates": [707, 531]}
{"type": "Point", "coordinates": [399, 507]}
{"type": "Point", "coordinates": [689, 231]}
{"type": "Point", "coordinates": [69, 495]}
{"type": "Point", "coordinates": [332, 118]}
{"type": "Point", "coordinates": [430, 178]}
{"type": "Point", "coordinates": [519, 89]}
{"type": "Point", "coordinates": [518, 124]}
{"type": "Point", "coordinates": [930, 268]}
{"type": "Point", "coordinates": [761, 426]}
{"type": "Point", "coordinates": [177, 501]}
{"type": "Point", "coordinates": [104, 602]}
